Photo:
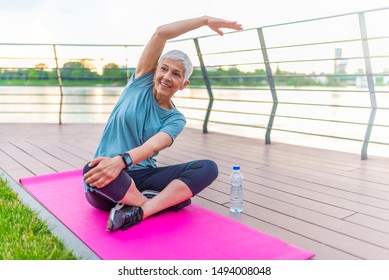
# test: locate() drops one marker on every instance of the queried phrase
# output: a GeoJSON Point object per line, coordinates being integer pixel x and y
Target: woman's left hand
{"type": "Point", "coordinates": [104, 171]}
{"type": "Point", "coordinates": [217, 23]}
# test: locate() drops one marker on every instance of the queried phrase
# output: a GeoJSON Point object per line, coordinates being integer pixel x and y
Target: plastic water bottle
{"type": "Point", "coordinates": [236, 192]}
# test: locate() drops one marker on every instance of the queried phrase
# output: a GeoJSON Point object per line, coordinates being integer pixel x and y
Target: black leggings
{"type": "Point", "coordinates": [197, 175]}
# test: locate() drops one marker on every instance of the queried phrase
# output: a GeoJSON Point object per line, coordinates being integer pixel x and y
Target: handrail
{"type": "Point", "coordinates": [370, 82]}
{"type": "Point", "coordinates": [207, 84]}
{"type": "Point", "coordinates": [273, 101]}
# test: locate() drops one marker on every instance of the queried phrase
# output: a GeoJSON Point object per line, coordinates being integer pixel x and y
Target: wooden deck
{"type": "Point", "coordinates": [328, 202]}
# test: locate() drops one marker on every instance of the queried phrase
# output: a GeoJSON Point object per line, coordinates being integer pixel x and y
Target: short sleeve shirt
{"type": "Point", "coordinates": [136, 118]}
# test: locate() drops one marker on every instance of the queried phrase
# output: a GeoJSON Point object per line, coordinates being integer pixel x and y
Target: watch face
{"type": "Point", "coordinates": [127, 159]}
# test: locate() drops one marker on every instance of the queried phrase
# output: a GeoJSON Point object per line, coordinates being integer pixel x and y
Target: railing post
{"type": "Point", "coordinates": [270, 80]}
{"type": "Point", "coordinates": [59, 84]}
{"type": "Point", "coordinates": [370, 83]}
{"type": "Point", "coordinates": [207, 83]}
{"type": "Point", "coordinates": [127, 70]}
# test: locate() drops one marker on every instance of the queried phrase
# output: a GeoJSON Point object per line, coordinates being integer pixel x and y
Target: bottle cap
{"type": "Point", "coordinates": [236, 167]}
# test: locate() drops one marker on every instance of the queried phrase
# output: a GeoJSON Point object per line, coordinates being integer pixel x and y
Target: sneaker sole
{"type": "Point", "coordinates": [183, 204]}
{"type": "Point", "coordinates": [150, 193]}
{"type": "Point", "coordinates": [110, 223]}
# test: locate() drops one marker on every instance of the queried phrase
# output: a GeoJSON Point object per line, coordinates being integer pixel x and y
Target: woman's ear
{"type": "Point", "coordinates": [184, 85]}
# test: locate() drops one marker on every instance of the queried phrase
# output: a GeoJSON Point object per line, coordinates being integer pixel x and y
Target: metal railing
{"type": "Point", "coordinates": [326, 78]}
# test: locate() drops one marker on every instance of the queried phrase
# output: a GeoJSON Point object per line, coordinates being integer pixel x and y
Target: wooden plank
{"type": "Point", "coordinates": [72, 160]}
{"type": "Point", "coordinates": [258, 187]}
{"type": "Point", "coordinates": [7, 162]}
{"type": "Point", "coordinates": [377, 197]}
{"type": "Point", "coordinates": [311, 190]}
{"type": "Point", "coordinates": [323, 251]}
{"type": "Point", "coordinates": [328, 190]}
{"type": "Point", "coordinates": [311, 163]}
{"type": "Point", "coordinates": [88, 144]}
{"type": "Point", "coordinates": [319, 219]}
{"type": "Point", "coordinates": [79, 148]}
{"type": "Point", "coordinates": [373, 188]}
{"type": "Point", "coordinates": [295, 153]}
{"type": "Point", "coordinates": [330, 237]}
{"type": "Point", "coordinates": [41, 155]}
{"type": "Point", "coordinates": [372, 174]}
{"type": "Point", "coordinates": [370, 222]}
{"type": "Point", "coordinates": [338, 178]}
{"type": "Point", "coordinates": [30, 163]}
{"type": "Point", "coordinates": [13, 168]}
{"type": "Point", "coordinates": [357, 181]}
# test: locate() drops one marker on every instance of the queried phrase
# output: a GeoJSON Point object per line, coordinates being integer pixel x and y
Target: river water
{"type": "Point", "coordinates": [334, 105]}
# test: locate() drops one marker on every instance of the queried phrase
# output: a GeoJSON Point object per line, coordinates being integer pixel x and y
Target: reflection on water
{"type": "Point", "coordinates": [332, 113]}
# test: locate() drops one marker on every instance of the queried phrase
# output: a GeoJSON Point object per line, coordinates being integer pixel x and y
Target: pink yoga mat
{"type": "Point", "coordinates": [194, 233]}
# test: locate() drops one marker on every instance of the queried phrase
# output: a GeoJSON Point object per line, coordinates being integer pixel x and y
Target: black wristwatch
{"type": "Point", "coordinates": [126, 159]}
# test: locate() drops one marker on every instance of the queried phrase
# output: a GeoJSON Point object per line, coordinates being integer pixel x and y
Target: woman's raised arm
{"type": "Point", "coordinates": [154, 48]}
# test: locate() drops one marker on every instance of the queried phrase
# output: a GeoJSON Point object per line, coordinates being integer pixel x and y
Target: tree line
{"type": "Point", "coordinates": [70, 71]}
{"type": "Point", "coordinates": [84, 73]}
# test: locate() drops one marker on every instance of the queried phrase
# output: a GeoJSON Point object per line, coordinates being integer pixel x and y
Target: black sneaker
{"type": "Point", "coordinates": [150, 194]}
{"type": "Point", "coordinates": [180, 205]}
{"type": "Point", "coordinates": [124, 216]}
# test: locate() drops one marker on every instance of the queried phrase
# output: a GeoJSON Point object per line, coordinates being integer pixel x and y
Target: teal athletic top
{"type": "Point", "coordinates": [137, 117]}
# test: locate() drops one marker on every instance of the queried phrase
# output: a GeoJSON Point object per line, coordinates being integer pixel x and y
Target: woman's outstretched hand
{"type": "Point", "coordinates": [217, 23]}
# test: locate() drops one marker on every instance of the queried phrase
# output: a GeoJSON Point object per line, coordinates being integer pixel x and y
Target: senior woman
{"type": "Point", "coordinates": [123, 178]}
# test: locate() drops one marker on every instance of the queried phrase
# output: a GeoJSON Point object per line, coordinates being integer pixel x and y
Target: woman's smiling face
{"type": "Point", "coordinates": [169, 78]}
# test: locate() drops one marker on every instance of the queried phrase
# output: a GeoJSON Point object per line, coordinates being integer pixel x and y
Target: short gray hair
{"type": "Point", "coordinates": [179, 56]}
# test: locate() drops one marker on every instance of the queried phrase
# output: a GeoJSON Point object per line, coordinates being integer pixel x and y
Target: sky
{"type": "Point", "coordinates": [132, 22]}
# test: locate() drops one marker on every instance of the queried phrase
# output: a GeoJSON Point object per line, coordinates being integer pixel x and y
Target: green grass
{"type": "Point", "coordinates": [23, 236]}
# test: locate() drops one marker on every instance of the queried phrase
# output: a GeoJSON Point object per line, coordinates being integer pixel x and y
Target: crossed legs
{"type": "Point", "coordinates": [174, 193]}
{"type": "Point", "coordinates": [175, 184]}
